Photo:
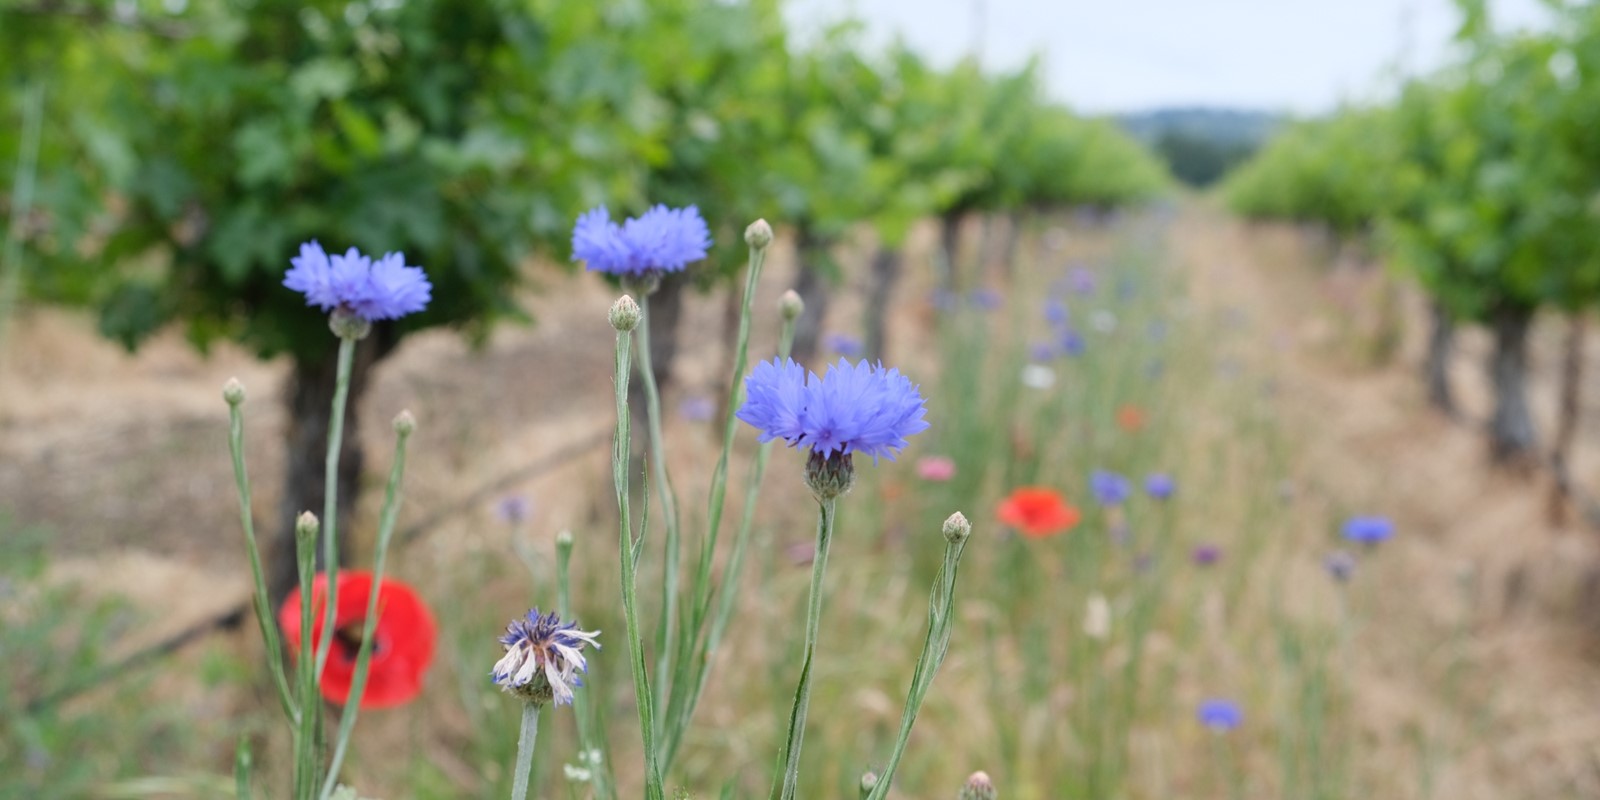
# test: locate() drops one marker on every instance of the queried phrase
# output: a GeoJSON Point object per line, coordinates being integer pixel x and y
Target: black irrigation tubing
{"type": "Point", "coordinates": [234, 615]}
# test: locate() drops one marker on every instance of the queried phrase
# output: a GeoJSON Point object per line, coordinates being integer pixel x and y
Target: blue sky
{"type": "Point", "coordinates": [1301, 56]}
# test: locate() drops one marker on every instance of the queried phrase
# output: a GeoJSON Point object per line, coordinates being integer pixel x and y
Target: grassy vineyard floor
{"type": "Point", "coordinates": [1465, 668]}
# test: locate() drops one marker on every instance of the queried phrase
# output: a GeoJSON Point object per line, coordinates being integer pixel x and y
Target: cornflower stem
{"type": "Point", "coordinates": [263, 607]}
{"type": "Point", "coordinates": [330, 499]}
{"type": "Point", "coordinates": [21, 198]}
{"type": "Point", "coordinates": [620, 451]}
{"type": "Point", "coordinates": [690, 671]}
{"type": "Point", "coordinates": [241, 770]}
{"type": "Point", "coordinates": [666, 638]}
{"type": "Point", "coordinates": [588, 737]}
{"type": "Point", "coordinates": [525, 742]}
{"type": "Point", "coordinates": [358, 682]}
{"type": "Point", "coordinates": [699, 672]}
{"type": "Point", "coordinates": [789, 758]}
{"type": "Point", "coordinates": [1224, 756]}
{"type": "Point", "coordinates": [940, 624]}
{"type": "Point", "coordinates": [305, 764]}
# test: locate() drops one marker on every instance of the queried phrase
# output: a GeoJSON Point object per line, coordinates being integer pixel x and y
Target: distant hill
{"type": "Point", "coordinates": [1201, 144]}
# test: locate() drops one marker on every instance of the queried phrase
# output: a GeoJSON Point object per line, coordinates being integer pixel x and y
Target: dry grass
{"type": "Point", "coordinates": [1469, 676]}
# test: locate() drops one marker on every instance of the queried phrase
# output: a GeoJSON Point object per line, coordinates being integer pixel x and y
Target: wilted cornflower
{"type": "Point", "coordinates": [853, 408]}
{"type": "Point", "coordinates": [543, 658]}
{"type": "Point", "coordinates": [978, 787]}
{"type": "Point", "coordinates": [354, 284]}
{"type": "Point", "coordinates": [1109, 488]}
{"type": "Point", "coordinates": [1368, 530]}
{"type": "Point", "coordinates": [1220, 715]}
{"type": "Point", "coordinates": [659, 240]}
{"type": "Point", "coordinates": [1159, 485]}
{"type": "Point", "coordinates": [844, 345]}
{"type": "Point", "coordinates": [1340, 565]}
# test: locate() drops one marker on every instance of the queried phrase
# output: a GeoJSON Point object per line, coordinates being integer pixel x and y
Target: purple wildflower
{"type": "Point", "coordinates": [845, 345]}
{"type": "Point", "coordinates": [1055, 312]}
{"type": "Point", "coordinates": [659, 240]}
{"type": "Point", "coordinates": [985, 299]}
{"type": "Point", "coordinates": [697, 408]}
{"type": "Point", "coordinates": [1206, 554]}
{"type": "Point", "coordinates": [1109, 488]}
{"type": "Point", "coordinates": [854, 408]}
{"type": "Point", "coordinates": [513, 508]}
{"type": "Point", "coordinates": [543, 658]}
{"type": "Point", "coordinates": [387, 289]}
{"type": "Point", "coordinates": [1368, 530]}
{"type": "Point", "coordinates": [1043, 351]}
{"type": "Point", "coordinates": [1159, 485]}
{"type": "Point", "coordinates": [1082, 280]}
{"type": "Point", "coordinates": [1072, 343]}
{"type": "Point", "coordinates": [1219, 715]}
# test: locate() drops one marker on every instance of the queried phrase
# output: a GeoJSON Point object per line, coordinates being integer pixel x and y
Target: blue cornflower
{"type": "Point", "coordinates": [513, 509]}
{"type": "Point", "coordinates": [854, 408]}
{"type": "Point", "coordinates": [543, 658]}
{"type": "Point", "coordinates": [1219, 715]}
{"type": "Point", "coordinates": [845, 344]}
{"type": "Point", "coordinates": [385, 289]}
{"type": "Point", "coordinates": [1109, 488]}
{"type": "Point", "coordinates": [1082, 281]}
{"type": "Point", "coordinates": [1159, 485]}
{"type": "Point", "coordinates": [1055, 312]}
{"type": "Point", "coordinates": [986, 299]}
{"type": "Point", "coordinates": [1368, 530]}
{"type": "Point", "coordinates": [659, 240]}
{"type": "Point", "coordinates": [1072, 343]}
{"type": "Point", "coordinates": [697, 408]}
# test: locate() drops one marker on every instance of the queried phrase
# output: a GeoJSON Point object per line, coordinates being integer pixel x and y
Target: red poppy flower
{"type": "Point", "coordinates": [1037, 512]}
{"type": "Point", "coordinates": [402, 642]}
{"type": "Point", "coordinates": [1130, 418]}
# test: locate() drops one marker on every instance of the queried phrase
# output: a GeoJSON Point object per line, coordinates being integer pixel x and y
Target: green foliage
{"type": "Point", "coordinates": [1332, 171]}
{"type": "Point", "coordinates": [191, 151]}
{"type": "Point", "coordinates": [1482, 178]}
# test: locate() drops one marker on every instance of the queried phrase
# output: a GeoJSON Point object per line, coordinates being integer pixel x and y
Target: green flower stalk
{"type": "Point", "coordinates": [704, 631]}
{"type": "Point", "coordinates": [233, 392]}
{"type": "Point", "coordinates": [404, 426]}
{"type": "Point", "coordinates": [625, 316]}
{"type": "Point", "coordinates": [941, 621]}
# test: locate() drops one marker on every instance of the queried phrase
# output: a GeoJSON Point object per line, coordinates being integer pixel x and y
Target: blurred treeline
{"type": "Point", "coordinates": [1481, 181]}
{"type": "Point", "coordinates": [189, 146]}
